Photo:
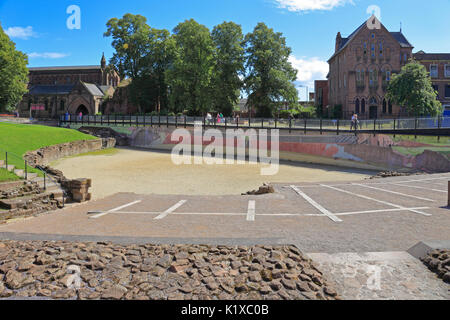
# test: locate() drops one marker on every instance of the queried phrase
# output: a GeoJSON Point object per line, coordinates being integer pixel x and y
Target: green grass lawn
{"type": "Point", "coordinates": [18, 139]}
{"type": "Point", "coordinates": [431, 140]}
{"type": "Point", "coordinates": [7, 176]}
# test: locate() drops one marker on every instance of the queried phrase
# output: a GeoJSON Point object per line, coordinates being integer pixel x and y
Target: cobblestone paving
{"type": "Point", "coordinates": [158, 272]}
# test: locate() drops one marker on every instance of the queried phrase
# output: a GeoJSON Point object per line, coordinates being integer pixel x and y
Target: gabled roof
{"type": "Point", "coordinates": [401, 39]}
{"type": "Point", "coordinates": [404, 43]}
{"type": "Point", "coordinates": [93, 89]}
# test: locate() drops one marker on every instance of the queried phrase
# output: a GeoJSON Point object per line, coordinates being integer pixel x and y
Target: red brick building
{"type": "Point", "coordinates": [321, 95]}
{"type": "Point", "coordinates": [361, 68]}
{"type": "Point", "coordinates": [438, 65]}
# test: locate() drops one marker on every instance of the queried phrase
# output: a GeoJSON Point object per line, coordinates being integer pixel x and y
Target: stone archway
{"type": "Point", "coordinates": [82, 109]}
{"type": "Point", "coordinates": [76, 103]}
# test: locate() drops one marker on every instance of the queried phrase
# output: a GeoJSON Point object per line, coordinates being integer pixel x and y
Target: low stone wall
{"type": "Point", "coordinates": [106, 134]}
{"type": "Point", "coordinates": [44, 156]}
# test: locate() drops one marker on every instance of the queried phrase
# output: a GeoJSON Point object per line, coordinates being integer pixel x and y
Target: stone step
{"type": "Point", "coordinates": [20, 173]}
{"type": "Point", "coordinates": [32, 175]}
{"type": "Point", "coordinates": [20, 202]}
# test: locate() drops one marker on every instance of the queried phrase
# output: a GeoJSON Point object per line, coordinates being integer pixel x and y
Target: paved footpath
{"type": "Point", "coordinates": [380, 215]}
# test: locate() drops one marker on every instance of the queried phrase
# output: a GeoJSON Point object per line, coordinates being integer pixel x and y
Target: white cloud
{"type": "Point", "coordinates": [309, 69]}
{"type": "Point", "coordinates": [311, 5]}
{"type": "Point", "coordinates": [20, 33]}
{"type": "Point", "coordinates": [47, 55]}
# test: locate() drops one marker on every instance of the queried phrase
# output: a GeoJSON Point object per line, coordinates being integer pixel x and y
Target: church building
{"type": "Point", "coordinates": [53, 91]}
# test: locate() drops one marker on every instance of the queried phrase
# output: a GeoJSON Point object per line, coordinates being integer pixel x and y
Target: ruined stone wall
{"type": "Point", "coordinates": [46, 155]}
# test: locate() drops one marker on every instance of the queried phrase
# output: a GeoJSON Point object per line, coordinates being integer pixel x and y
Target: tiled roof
{"type": "Point", "coordinates": [401, 39]}
{"type": "Point", "coordinates": [65, 68]}
{"type": "Point", "coordinates": [93, 89]}
{"type": "Point", "coordinates": [431, 56]}
{"type": "Point", "coordinates": [50, 89]}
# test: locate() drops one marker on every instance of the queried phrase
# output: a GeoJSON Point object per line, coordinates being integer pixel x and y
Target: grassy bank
{"type": "Point", "coordinates": [7, 176]}
{"type": "Point", "coordinates": [18, 139]}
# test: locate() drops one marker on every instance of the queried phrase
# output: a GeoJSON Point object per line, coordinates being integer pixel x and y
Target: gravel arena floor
{"type": "Point", "coordinates": [145, 172]}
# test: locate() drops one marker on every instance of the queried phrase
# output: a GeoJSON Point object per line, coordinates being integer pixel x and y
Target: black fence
{"type": "Point", "coordinates": [439, 126]}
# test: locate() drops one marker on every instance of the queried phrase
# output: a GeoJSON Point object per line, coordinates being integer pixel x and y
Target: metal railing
{"type": "Point", "coordinates": [26, 168]}
{"type": "Point", "coordinates": [412, 126]}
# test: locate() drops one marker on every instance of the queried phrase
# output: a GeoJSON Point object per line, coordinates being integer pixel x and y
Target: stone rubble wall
{"type": "Point", "coordinates": [159, 272]}
{"type": "Point", "coordinates": [44, 156]}
{"type": "Point", "coordinates": [438, 261]}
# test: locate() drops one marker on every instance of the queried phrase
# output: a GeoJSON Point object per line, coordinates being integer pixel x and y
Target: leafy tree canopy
{"type": "Point", "coordinates": [13, 73]}
{"type": "Point", "coordinates": [229, 59]}
{"type": "Point", "coordinates": [190, 75]}
{"type": "Point", "coordinates": [412, 88]}
{"type": "Point", "coordinates": [270, 74]}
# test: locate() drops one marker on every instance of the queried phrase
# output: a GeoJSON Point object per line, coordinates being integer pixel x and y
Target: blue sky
{"type": "Point", "coordinates": [310, 26]}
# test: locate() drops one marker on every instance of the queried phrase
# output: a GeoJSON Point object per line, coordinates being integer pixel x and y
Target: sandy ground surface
{"type": "Point", "coordinates": [146, 172]}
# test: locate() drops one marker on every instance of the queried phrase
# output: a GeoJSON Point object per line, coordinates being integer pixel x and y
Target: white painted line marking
{"type": "Point", "coordinates": [376, 200]}
{"type": "Point", "coordinates": [208, 214]}
{"type": "Point", "coordinates": [417, 187]}
{"type": "Point", "coordinates": [393, 192]}
{"type": "Point", "coordinates": [316, 205]}
{"type": "Point", "coordinates": [170, 210]}
{"type": "Point", "coordinates": [251, 210]}
{"type": "Point", "coordinates": [379, 211]}
{"type": "Point", "coordinates": [115, 210]}
{"type": "Point", "coordinates": [376, 183]}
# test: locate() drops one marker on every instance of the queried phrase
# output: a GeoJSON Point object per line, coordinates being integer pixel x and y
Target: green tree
{"type": "Point", "coordinates": [270, 74]}
{"type": "Point", "coordinates": [13, 73]}
{"type": "Point", "coordinates": [189, 77]}
{"type": "Point", "coordinates": [412, 88]}
{"type": "Point", "coordinates": [143, 54]}
{"type": "Point", "coordinates": [229, 59]}
{"type": "Point", "coordinates": [131, 40]}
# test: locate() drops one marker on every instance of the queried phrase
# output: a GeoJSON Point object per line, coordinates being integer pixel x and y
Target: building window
{"type": "Point", "coordinates": [357, 106]}
{"type": "Point", "coordinates": [373, 50]}
{"type": "Point", "coordinates": [405, 57]}
{"type": "Point", "coordinates": [365, 47]}
{"type": "Point", "coordinates": [61, 105]}
{"type": "Point", "coordinates": [384, 106]}
{"type": "Point", "coordinates": [345, 80]}
{"type": "Point", "coordinates": [434, 70]}
{"type": "Point", "coordinates": [363, 106]}
{"type": "Point", "coordinates": [447, 91]}
{"type": "Point", "coordinates": [372, 78]}
{"type": "Point", "coordinates": [447, 70]}
{"type": "Point", "coordinates": [390, 107]}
